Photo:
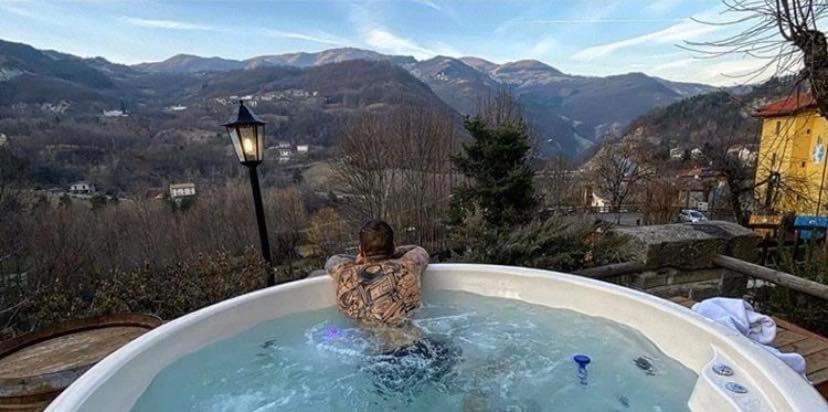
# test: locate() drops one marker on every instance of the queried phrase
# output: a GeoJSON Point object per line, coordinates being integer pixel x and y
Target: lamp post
{"type": "Point", "coordinates": [247, 134]}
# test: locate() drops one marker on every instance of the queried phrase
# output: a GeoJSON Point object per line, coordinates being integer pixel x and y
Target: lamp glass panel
{"type": "Point", "coordinates": [234, 137]}
{"type": "Point", "coordinates": [249, 144]}
{"type": "Point", "coordinates": [260, 129]}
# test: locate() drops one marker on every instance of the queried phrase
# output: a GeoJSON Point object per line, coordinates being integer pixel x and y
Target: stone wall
{"type": "Point", "coordinates": [677, 258]}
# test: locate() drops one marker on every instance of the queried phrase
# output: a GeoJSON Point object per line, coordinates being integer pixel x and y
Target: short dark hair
{"type": "Point", "coordinates": [376, 238]}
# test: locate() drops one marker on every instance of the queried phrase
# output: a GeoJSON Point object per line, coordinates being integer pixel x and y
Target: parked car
{"type": "Point", "coordinates": [691, 216]}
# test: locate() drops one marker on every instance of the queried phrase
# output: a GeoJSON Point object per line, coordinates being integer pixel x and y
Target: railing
{"type": "Point", "coordinates": [613, 270]}
{"type": "Point", "coordinates": [787, 280]}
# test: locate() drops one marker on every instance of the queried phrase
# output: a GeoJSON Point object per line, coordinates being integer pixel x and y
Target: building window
{"type": "Point", "coordinates": [803, 164]}
{"type": "Point", "coordinates": [807, 131]}
{"type": "Point", "coordinates": [778, 126]}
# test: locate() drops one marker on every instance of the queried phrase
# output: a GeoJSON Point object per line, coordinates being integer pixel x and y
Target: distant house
{"type": "Point", "coordinates": [696, 153]}
{"type": "Point", "coordinates": [114, 113]}
{"type": "Point", "coordinates": [700, 188]}
{"type": "Point", "coordinates": [744, 154]}
{"type": "Point", "coordinates": [676, 153]}
{"type": "Point", "coordinates": [302, 148]}
{"type": "Point", "coordinates": [594, 201]}
{"type": "Point", "coordinates": [3, 139]}
{"type": "Point", "coordinates": [599, 203]}
{"type": "Point", "coordinates": [82, 188]}
{"type": "Point", "coordinates": [180, 191]}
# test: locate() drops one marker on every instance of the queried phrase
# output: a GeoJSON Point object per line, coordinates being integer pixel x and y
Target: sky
{"type": "Point", "coordinates": [584, 37]}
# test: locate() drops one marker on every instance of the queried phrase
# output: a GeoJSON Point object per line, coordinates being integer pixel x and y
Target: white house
{"type": "Point", "coordinates": [114, 113]}
{"type": "Point", "coordinates": [676, 153]}
{"type": "Point", "coordinates": [182, 190]}
{"type": "Point", "coordinates": [302, 148]}
{"type": "Point", "coordinates": [599, 203]}
{"type": "Point", "coordinates": [82, 188]}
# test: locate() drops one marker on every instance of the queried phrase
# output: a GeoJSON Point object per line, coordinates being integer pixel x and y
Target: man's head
{"type": "Point", "coordinates": [376, 240]}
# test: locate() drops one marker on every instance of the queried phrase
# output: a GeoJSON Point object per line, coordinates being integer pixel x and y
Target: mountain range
{"type": "Point", "coordinates": [570, 112]}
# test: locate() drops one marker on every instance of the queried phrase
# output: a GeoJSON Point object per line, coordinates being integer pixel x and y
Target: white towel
{"type": "Point", "coordinates": [739, 315]}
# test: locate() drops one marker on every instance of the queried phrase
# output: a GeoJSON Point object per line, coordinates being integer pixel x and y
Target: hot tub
{"type": "Point", "coordinates": [752, 379]}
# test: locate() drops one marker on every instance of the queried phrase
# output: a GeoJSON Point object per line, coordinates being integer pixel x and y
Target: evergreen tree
{"type": "Point", "coordinates": [500, 180]}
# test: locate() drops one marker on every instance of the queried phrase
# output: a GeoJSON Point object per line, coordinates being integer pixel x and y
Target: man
{"type": "Point", "coordinates": [380, 288]}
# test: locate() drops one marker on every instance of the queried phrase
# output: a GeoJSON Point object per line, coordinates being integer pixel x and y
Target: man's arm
{"type": "Point", "coordinates": [337, 260]}
{"type": "Point", "coordinates": [402, 250]}
{"type": "Point", "coordinates": [415, 256]}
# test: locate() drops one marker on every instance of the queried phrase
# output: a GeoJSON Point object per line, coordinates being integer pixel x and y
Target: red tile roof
{"type": "Point", "coordinates": [789, 105]}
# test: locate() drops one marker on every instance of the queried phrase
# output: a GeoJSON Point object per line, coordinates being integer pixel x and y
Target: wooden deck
{"type": "Point", "coordinates": [792, 338]}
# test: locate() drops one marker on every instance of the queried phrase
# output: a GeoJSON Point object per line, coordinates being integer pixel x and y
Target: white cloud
{"type": "Point", "coordinates": [543, 47]}
{"type": "Point", "coordinates": [11, 8]}
{"type": "Point", "coordinates": [372, 33]}
{"type": "Point", "coordinates": [686, 30]}
{"type": "Point", "coordinates": [391, 43]}
{"type": "Point", "coordinates": [717, 72]}
{"type": "Point", "coordinates": [322, 38]}
{"type": "Point", "coordinates": [428, 3]}
{"type": "Point", "coordinates": [164, 24]}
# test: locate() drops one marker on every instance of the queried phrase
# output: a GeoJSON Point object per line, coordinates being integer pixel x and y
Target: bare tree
{"type": "Point", "coordinates": [785, 33]}
{"type": "Point", "coordinates": [557, 183]}
{"type": "Point", "coordinates": [617, 174]}
{"type": "Point", "coordinates": [397, 167]}
{"type": "Point", "coordinates": [501, 108]}
{"type": "Point", "coordinates": [425, 140]}
{"type": "Point", "coordinates": [660, 195]}
{"type": "Point", "coordinates": [366, 167]}
{"type": "Point", "coordinates": [740, 175]}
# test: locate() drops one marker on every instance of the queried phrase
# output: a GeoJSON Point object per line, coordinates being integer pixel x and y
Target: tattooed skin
{"type": "Point", "coordinates": [381, 292]}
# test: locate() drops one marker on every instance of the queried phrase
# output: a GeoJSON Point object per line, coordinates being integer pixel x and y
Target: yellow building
{"type": "Point", "coordinates": [791, 166]}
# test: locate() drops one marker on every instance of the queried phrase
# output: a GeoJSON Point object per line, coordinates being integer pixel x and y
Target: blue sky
{"type": "Point", "coordinates": [587, 37]}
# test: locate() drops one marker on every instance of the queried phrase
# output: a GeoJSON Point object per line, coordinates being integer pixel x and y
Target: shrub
{"type": "Point", "coordinates": [167, 293]}
{"type": "Point", "coordinates": [543, 243]}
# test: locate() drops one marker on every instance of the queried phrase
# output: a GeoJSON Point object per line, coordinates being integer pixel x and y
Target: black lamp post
{"type": "Point", "coordinates": [247, 134]}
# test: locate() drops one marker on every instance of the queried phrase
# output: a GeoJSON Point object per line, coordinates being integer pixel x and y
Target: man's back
{"type": "Point", "coordinates": [381, 292]}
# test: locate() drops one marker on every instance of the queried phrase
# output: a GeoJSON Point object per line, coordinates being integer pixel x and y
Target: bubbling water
{"type": "Point", "coordinates": [475, 353]}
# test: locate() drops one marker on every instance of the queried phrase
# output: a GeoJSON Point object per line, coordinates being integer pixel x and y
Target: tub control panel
{"type": "Point", "coordinates": [721, 384]}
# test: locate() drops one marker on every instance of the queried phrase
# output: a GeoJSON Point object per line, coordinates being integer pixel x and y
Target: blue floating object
{"type": "Point", "coordinates": [582, 361]}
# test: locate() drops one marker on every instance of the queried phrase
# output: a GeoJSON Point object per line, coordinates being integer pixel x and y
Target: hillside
{"type": "Point", "coordinates": [686, 124]}
{"type": "Point", "coordinates": [64, 113]}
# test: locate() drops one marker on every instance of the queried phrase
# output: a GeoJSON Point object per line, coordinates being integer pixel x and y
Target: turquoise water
{"type": "Point", "coordinates": [479, 354]}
